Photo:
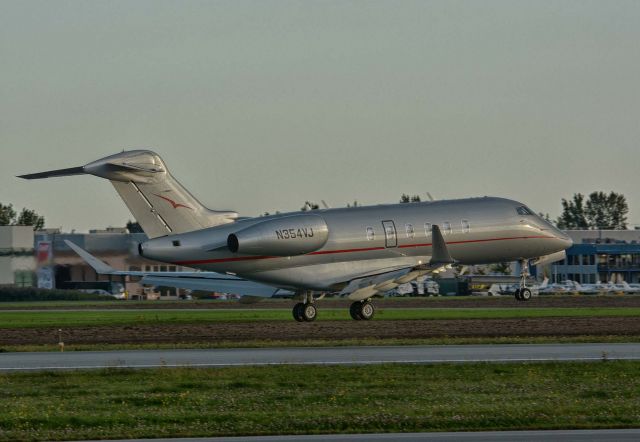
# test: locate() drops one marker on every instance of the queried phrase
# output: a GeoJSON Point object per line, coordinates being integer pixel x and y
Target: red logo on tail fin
{"type": "Point", "coordinates": [172, 202]}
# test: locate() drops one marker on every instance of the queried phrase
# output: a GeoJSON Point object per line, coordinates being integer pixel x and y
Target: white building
{"type": "Point", "coordinates": [17, 260]}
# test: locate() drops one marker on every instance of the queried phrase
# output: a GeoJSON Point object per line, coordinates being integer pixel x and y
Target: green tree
{"type": "Point", "coordinates": [573, 214]}
{"type": "Point", "coordinates": [29, 217]}
{"type": "Point", "coordinates": [599, 211]}
{"type": "Point", "coordinates": [7, 215]}
{"type": "Point", "coordinates": [607, 211]}
{"type": "Point", "coordinates": [409, 199]}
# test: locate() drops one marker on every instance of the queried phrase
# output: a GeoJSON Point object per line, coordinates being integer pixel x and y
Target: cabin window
{"type": "Point", "coordinates": [370, 234]}
{"type": "Point", "coordinates": [524, 210]}
{"type": "Point", "coordinates": [409, 229]}
{"type": "Point", "coordinates": [427, 229]}
{"type": "Point", "coordinates": [466, 227]}
{"type": "Point", "coordinates": [446, 228]}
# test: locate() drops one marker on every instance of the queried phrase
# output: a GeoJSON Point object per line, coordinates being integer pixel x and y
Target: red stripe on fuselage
{"type": "Point", "coordinates": [329, 252]}
{"type": "Point", "coordinates": [479, 240]}
{"type": "Point", "coordinates": [213, 261]}
{"type": "Point", "coordinates": [368, 249]}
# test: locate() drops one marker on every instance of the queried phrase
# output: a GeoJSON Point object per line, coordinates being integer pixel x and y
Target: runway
{"type": "Point", "coordinates": [420, 354]}
{"type": "Point", "coordinates": [480, 436]}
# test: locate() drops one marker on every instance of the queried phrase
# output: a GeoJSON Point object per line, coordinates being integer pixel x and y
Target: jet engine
{"type": "Point", "coordinates": [288, 236]}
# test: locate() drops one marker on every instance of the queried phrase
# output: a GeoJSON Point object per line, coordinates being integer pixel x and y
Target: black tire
{"type": "Point", "coordinates": [354, 310]}
{"type": "Point", "coordinates": [517, 295]}
{"type": "Point", "coordinates": [297, 312]}
{"type": "Point", "coordinates": [525, 295]}
{"type": "Point", "coordinates": [309, 312]}
{"type": "Point", "coordinates": [367, 310]}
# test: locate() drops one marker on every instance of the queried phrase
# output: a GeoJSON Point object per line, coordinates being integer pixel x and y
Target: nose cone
{"type": "Point", "coordinates": [564, 241]}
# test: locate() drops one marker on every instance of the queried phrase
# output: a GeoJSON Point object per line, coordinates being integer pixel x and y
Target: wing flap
{"type": "Point", "coordinates": [222, 285]}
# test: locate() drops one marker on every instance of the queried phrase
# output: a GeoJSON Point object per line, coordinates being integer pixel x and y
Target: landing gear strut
{"type": "Point", "coordinates": [362, 310]}
{"type": "Point", "coordinates": [305, 311]}
{"type": "Point", "coordinates": [522, 293]}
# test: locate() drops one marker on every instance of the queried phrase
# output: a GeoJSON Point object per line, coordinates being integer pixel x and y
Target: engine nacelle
{"type": "Point", "coordinates": [287, 236]}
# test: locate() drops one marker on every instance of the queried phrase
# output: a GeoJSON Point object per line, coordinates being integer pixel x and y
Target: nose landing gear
{"type": "Point", "coordinates": [522, 293]}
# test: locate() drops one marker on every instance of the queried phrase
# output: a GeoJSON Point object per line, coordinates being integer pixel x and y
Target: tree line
{"type": "Point", "coordinates": [26, 217]}
{"type": "Point", "coordinates": [599, 211]}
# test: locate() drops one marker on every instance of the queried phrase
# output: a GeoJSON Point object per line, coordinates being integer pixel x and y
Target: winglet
{"type": "Point", "coordinates": [99, 266]}
{"type": "Point", "coordinates": [440, 252]}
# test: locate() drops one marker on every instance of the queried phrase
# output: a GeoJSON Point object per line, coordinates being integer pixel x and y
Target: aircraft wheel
{"type": "Point", "coordinates": [298, 312]}
{"type": "Point", "coordinates": [517, 295]}
{"type": "Point", "coordinates": [525, 295]}
{"type": "Point", "coordinates": [367, 310]}
{"type": "Point", "coordinates": [309, 312]}
{"type": "Point", "coordinates": [354, 310]}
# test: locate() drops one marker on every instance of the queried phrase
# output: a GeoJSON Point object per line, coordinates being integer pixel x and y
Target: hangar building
{"type": "Point", "coordinates": [600, 255]}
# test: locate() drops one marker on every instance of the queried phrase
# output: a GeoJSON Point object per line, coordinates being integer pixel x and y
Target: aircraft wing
{"type": "Point", "coordinates": [210, 281]}
{"type": "Point", "coordinates": [367, 286]}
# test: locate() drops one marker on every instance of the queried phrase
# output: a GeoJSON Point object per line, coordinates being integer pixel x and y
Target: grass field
{"type": "Point", "coordinates": [19, 319]}
{"type": "Point", "coordinates": [315, 399]}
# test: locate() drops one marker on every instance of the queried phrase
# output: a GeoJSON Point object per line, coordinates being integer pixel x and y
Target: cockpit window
{"type": "Point", "coordinates": [524, 210]}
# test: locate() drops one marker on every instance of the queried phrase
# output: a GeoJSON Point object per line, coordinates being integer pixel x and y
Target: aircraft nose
{"type": "Point", "coordinates": [564, 240]}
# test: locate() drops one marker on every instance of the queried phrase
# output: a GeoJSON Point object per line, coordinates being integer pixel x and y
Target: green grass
{"type": "Point", "coordinates": [325, 343]}
{"type": "Point", "coordinates": [9, 319]}
{"type": "Point", "coordinates": [188, 402]}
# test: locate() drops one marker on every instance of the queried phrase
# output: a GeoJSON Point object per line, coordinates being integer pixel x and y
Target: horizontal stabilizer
{"type": "Point", "coordinates": [97, 265]}
{"type": "Point", "coordinates": [54, 173]}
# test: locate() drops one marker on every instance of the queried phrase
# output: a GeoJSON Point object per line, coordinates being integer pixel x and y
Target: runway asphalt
{"type": "Point", "coordinates": [480, 436]}
{"type": "Point", "coordinates": [318, 355]}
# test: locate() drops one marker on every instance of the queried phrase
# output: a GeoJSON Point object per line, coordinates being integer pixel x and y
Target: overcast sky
{"type": "Point", "coordinates": [259, 106]}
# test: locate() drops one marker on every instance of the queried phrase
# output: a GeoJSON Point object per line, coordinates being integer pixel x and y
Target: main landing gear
{"type": "Point", "coordinates": [522, 293]}
{"type": "Point", "coordinates": [305, 311]}
{"type": "Point", "coordinates": [362, 310]}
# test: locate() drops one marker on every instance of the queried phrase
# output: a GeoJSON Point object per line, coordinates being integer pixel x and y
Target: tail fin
{"type": "Point", "coordinates": [155, 198]}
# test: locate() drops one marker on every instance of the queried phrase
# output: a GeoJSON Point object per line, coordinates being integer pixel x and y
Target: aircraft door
{"type": "Point", "coordinates": [390, 235]}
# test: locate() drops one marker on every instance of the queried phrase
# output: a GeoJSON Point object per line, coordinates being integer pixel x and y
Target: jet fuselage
{"type": "Point", "coordinates": [367, 240]}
